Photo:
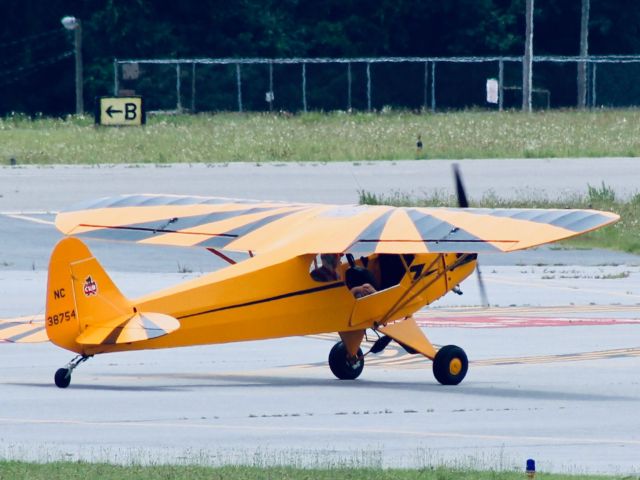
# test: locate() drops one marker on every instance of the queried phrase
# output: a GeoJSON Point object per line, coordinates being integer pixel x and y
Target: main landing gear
{"type": "Point", "coordinates": [450, 364]}
{"type": "Point", "coordinates": [63, 375]}
{"type": "Point", "coordinates": [342, 366]}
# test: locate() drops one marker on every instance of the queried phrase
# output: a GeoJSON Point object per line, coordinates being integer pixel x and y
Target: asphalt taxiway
{"type": "Point", "coordinates": [553, 373]}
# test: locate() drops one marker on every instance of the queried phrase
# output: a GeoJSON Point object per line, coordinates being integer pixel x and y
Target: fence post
{"type": "Point", "coordinates": [500, 85]}
{"type": "Point", "coordinates": [349, 86]}
{"type": "Point", "coordinates": [304, 87]}
{"type": "Point", "coordinates": [368, 86]}
{"type": "Point", "coordinates": [426, 83]}
{"type": "Point", "coordinates": [239, 85]}
{"type": "Point", "coordinates": [433, 86]}
{"type": "Point", "coordinates": [270, 86]}
{"type": "Point", "coordinates": [193, 87]}
{"type": "Point", "coordinates": [527, 59]}
{"type": "Point", "coordinates": [584, 52]}
{"type": "Point", "coordinates": [594, 69]}
{"type": "Point", "coordinates": [115, 77]}
{"type": "Point", "coordinates": [179, 100]}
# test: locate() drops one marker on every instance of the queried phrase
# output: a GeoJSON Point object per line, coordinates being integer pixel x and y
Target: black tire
{"type": "Point", "coordinates": [62, 378]}
{"type": "Point", "coordinates": [450, 365]}
{"type": "Point", "coordinates": [341, 367]}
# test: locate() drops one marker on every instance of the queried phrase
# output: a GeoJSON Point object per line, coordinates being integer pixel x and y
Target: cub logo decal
{"type": "Point", "coordinates": [90, 287]}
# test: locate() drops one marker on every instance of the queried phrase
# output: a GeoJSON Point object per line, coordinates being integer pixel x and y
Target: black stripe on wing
{"type": "Point", "coordinates": [367, 240]}
{"type": "Point", "coordinates": [221, 240]}
{"type": "Point", "coordinates": [440, 236]}
{"type": "Point", "coordinates": [141, 231]}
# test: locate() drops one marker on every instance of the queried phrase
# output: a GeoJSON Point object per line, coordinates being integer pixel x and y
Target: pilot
{"type": "Point", "coordinates": [328, 273]}
{"type": "Point", "coordinates": [363, 290]}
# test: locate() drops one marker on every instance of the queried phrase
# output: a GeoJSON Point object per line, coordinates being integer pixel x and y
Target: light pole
{"type": "Point", "coordinates": [73, 23]}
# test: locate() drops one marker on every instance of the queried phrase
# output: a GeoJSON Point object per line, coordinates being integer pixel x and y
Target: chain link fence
{"type": "Point", "coordinates": [365, 84]}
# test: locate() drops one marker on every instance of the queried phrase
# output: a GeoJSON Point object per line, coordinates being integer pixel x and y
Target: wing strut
{"type": "Point", "coordinates": [222, 256]}
{"type": "Point", "coordinates": [403, 300]}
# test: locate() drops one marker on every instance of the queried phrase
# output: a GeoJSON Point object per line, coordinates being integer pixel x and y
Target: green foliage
{"type": "Point", "coordinates": [323, 137]}
{"type": "Point", "coordinates": [284, 28]}
{"type": "Point", "coordinates": [82, 470]}
{"type": "Point", "coordinates": [600, 195]}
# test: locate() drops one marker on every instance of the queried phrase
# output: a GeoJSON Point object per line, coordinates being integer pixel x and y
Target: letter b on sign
{"type": "Point", "coordinates": [130, 111]}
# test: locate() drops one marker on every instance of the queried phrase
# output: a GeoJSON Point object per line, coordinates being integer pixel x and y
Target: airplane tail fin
{"type": "Point", "coordinates": [84, 306]}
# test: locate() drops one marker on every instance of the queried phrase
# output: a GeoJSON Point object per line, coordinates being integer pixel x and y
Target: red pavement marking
{"type": "Point", "coordinates": [518, 322]}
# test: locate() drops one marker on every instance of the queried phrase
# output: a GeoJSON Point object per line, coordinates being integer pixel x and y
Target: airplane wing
{"type": "Point", "coordinates": [28, 329]}
{"type": "Point", "coordinates": [233, 225]}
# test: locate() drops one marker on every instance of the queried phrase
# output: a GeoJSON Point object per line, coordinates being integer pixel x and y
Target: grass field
{"type": "Point", "coordinates": [386, 135]}
{"type": "Point", "coordinates": [79, 470]}
{"type": "Point", "coordinates": [623, 236]}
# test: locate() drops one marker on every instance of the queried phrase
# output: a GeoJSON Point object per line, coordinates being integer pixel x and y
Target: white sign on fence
{"type": "Point", "coordinates": [492, 90]}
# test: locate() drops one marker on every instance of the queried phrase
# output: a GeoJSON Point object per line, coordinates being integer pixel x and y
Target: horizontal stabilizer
{"type": "Point", "coordinates": [28, 329]}
{"type": "Point", "coordinates": [129, 329]}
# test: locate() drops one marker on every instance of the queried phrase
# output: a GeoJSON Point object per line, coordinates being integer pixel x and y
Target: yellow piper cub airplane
{"type": "Point", "coordinates": [410, 257]}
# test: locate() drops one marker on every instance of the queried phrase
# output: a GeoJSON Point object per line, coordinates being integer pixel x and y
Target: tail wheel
{"type": "Point", "coordinates": [62, 377]}
{"type": "Point", "coordinates": [342, 366]}
{"type": "Point", "coordinates": [450, 365]}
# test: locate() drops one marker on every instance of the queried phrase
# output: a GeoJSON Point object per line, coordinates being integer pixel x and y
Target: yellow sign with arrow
{"type": "Point", "coordinates": [120, 111]}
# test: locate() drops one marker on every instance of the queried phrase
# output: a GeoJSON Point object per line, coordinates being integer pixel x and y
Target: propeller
{"type": "Point", "coordinates": [460, 191]}
{"type": "Point", "coordinates": [461, 194]}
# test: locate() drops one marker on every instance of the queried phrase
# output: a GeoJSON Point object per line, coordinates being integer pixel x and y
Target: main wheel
{"type": "Point", "coordinates": [343, 367]}
{"type": "Point", "coordinates": [62, 377]}
{"type": "Point", "coordinates": [450, 365]}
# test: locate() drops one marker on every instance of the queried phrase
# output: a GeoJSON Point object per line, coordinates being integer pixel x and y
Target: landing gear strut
{"type": "Point", "coordinates": [63, 375]}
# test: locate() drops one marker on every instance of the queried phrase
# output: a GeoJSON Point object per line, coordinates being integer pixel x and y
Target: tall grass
{"type": "Point", "coordinates": [262, 137]}
{"type": "Point", "coordinates": [81, 470]}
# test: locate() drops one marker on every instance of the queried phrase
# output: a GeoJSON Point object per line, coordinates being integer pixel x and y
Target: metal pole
{"type": "Point", "coordinates": [193, 87]}
{"type": "Point", "coordinates": [270, 86]}
{"type": "Point", "coordinates": [433, 87]}
{"type": "Point", "coordinates": [79, 75]}
{"type": "Point", "coordinates": [426, 83]}
{"type": "Point", "coordinates": [179, 100]}
{"type": "Point", "coordinates": [368, 86]}
{"type": "Point", "coordinates": [584, 51]}
{"type": "Point", "coordinates": [594, 69]}
{"type": "Point", "coordinates": [349, 86]}
{"type": "Point", "coordinates": [239, 84]}
{"type": "Point", "coordinates": [115, 78]}
{"type": "Point", "coordinates": [527, 60]}
{"type": "Point", "coordinates": [500, 85]}
{"type": "Point", "coordinates": [304, 87]}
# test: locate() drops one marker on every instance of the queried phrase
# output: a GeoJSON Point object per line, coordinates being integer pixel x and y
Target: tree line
{"type": "Point", "coordinates": [37, 69]}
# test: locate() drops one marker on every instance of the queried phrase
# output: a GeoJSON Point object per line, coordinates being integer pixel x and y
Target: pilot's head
{"type": "Point", "coordinates": [330, 260]}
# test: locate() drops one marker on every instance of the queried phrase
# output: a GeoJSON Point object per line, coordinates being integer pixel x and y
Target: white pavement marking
{"type": "Point", "coordinates": [29, 212]}
{"type": "Point", "coordinates": [29, 219]}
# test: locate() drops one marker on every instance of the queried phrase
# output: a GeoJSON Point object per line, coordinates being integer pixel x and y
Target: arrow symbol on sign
{"type": "Point", "coordinates": [111, 111]}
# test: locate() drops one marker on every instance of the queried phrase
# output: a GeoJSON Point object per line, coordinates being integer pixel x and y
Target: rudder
{"type": "Point", "coordinates": [79, 294]}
